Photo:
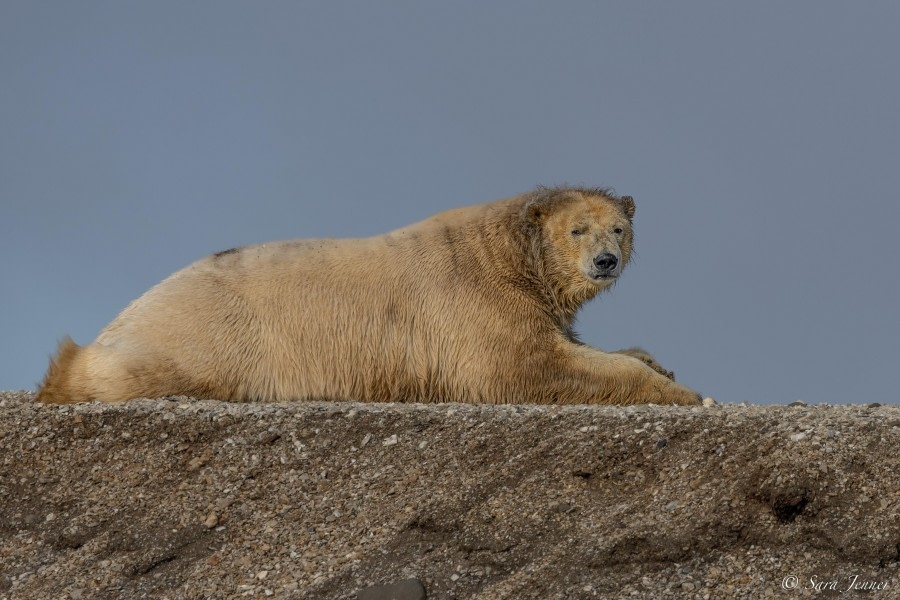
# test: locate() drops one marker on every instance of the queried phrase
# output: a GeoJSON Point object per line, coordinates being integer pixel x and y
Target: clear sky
{"type": "Point", "coordinates": [761, 141]}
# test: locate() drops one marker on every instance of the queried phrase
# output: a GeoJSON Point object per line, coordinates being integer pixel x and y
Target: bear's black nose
{"type": "Point", "coordinates": [605, 262]}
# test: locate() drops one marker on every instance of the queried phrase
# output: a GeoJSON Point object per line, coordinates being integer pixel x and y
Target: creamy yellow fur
{"type": "Point", "coordinates": [471, 305]}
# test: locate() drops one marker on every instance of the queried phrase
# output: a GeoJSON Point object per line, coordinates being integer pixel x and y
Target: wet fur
{"type": "Point", "coordinates": [472, 305]}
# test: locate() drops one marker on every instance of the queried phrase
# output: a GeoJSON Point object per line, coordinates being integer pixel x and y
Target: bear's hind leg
{"type": "Point", "coordinates": [113, 373]}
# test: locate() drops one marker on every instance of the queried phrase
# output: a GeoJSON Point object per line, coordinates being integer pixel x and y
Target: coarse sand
{"type": "Point", "coordinates": [185, 498]}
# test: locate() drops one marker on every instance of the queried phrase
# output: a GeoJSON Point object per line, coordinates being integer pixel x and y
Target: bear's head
{"type": "Point", "coordinates": [584, 235]}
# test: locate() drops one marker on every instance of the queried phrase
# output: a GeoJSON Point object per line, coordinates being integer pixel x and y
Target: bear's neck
{"type": "Point", "coordinates": [516, 255]}
{"type": "Point", "coordinates": [565, 302]}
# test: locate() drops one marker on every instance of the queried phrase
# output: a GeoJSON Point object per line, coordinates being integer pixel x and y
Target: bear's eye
{"type": "Point", "coordinates": [617, 230]}
{"type": "Point", "coordinates": [576, 232]}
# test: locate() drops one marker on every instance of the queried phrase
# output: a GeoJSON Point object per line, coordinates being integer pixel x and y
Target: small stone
{"type": "Point", "coordinates": [797, 403]}
{"type": "Point", "coordinates": [270, 437]}
{"type": "Point", "coordinates": [50, 517]}
{"type": "Point", "coordinates": [198, 461]}
{"type": "Point", "coordinates": [662, 444]}
{"type": "Point", "coordinates": [671, 505]}
{"type": "Point", "coordinates": [262, 575]}
{"type": "Point", "coordinates": [212, 519]}
{"type": "Point", "coordinates": [709, 401]}
{"type": "Point", "coordinates": [409, 589]}
{"type": "Point", "coordinates": [454, 577]}
{"type": "Point", "coordinates": [799, 437]}
{"type": "Point", "coordinates": [391, 440]}
{"type": "Point", "coordinates": [365, 440]}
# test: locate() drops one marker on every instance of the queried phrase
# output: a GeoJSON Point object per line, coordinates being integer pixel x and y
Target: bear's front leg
{"type": "Point", "coordinates": [656, 389]}
{"type": "Point", "coordinates": [644, 356]}
{"type": "Point", "coordinates": [597, 377]}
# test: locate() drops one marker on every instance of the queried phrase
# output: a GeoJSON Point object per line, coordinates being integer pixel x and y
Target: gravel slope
{"type": "Point", "coordinates": [183, 498]}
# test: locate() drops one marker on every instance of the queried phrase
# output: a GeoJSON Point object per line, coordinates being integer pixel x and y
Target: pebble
{"type": "Point", "coordinates": [212, 519]}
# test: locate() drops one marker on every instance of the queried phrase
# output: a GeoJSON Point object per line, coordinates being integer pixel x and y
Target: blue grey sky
{"type": "Point", "coordinates": [761, 141]}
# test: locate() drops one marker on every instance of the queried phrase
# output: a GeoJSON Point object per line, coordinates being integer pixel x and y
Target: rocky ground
{"type": "Point", "coordinates": [181, 498]}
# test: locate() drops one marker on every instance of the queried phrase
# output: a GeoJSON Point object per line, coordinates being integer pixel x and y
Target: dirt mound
{"type": "Point", "coordinates": [182, 498]}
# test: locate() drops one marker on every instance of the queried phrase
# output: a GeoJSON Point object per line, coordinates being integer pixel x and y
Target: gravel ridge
{"type": "Point", "coordinates": [186, 498]}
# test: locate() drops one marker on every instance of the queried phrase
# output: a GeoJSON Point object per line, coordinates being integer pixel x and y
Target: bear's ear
{"type": "Point", "coordinates": [536, 211]}
{"type": "Point", "coordinates": [627, 206]}
{"type": "Point", "coordinates": [544, 202]}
